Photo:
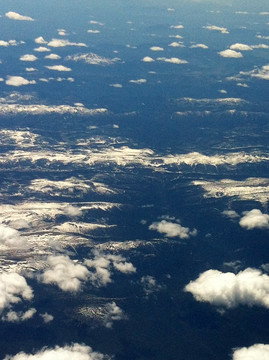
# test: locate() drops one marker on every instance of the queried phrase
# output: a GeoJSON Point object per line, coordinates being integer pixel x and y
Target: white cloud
{"type": "Point", "coordinates": [71, 210]}
{"type": "Point", "coordinates": [176, 36]}
{"type": "Point", "coordinates": [102, 265]}
{"type": "Point", "coordinates": [230, 54]}
{"type": "Point", "coordinates": [260, 46]}
{"type": "Point", "coordinates": [138, 81]}
{"type": "Point", "coordinates": [10, 43]}
{"type": "Point", "coordinates": [150, 284]}
{"type": "Point", "coordinates": [94, 22]}
{"type": "Point", "coordinates": [241, 47]}
{"type": "Point", "coordinates": [254, 352]}
{"type": "Point", "coordinates": [18, 81]}
{"type": "Point", "coordinates": [74, 352]}
{"type": "Point", "coordinates": [62, 32]}
{"type": "Point", "coordinates": [231, 214]}
{"type": "Point", "coordinates": [13, 316]}
{"type": "Point", "coordinates": [11, 238]}
{"type": "Point", "coordinates": [47, 317]}
{"type": "Point", "coordinates": [31, 69]}
{"type": "Point", "coordinates": [53, 57]}
{"type": "Point", "coordinates": [156, 48]}
{"type": "Point", "coordinates": [42, 49]}
{"type": "Point", "coordinates": [15, 16]}
{"type": "Point", "coordinates": [28, 57]}
{"type": "Point", "coordinates": [254, 219]}
{"type": "Point", "coordinates": [13, 288]}
{"type": "Point", "coordinates": [147, 59]}
{"type": "Point", "coordinates": [90, 31]}
{"type": "Point", "coordinates": [64, 273]}
{"type": "Point", "coordinates": [62, 43]}
{"type": "Point", "coordinates": [249, 287]}
{"type": "Point", "coordinates": [176, 26]}
{"type": "Point", "coordinates": [113, 313]}
{"type": "Point", "coordinates": [175, 44]}
{"type": "Point", "coordinates": [201, 46]}
{"type": "Point", "coordinates": [172, 229]}
{"type": "Point", "coordinates": [223, 30]}
{"type": "Point", "coordinates": [119, 86]}
{"type": "Point", "coordinates": [173, 60]}
{"type": "Point", "coordinates": [4, 43]}
{"type": "Point", "coordinates": [58, 68]}
{"type": "Point", "coordinates": [260, 73]}
{"type": "Point", "coordinates": [40, 40]}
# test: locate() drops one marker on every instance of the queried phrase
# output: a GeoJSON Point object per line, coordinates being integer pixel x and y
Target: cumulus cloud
{"type": "Point", "coordinates": [254, 219]}
{"type": "Point", "coordinates": [260, 73]}
{"type": "Point", "coordinates": [254, 352]}
{"type": "Point", "coordinates": [113, 313]}
{"type": "Point", "coordinates": [31, 69]}
{"type": "Point", "coordinates": [119, 86]}
{"type": "Point", "coordinates": [172, 60]}
{"type": "Point", "coordinates": [230, 54]}
{"type": "Point", "coordinates": [13, 316]}
{"type": "Point", "coordinates": [138, 81]}
{"type": "Point", "coordinates": [18, 81]}
{"type": "Point", "coordinates": [62, 43]}
{"type": "Point", "coordinates": [42, 49]}
{"type": "Point", "coordinates": [241, 47]}
{"type": "Point", "coordinates": [231, 214]}
{"type": "Point", "coordinates": [40, 40]}
{"type": "Point", "coordinates": [147, 59]}
{"type": "Point", "coordinates": [64, 273]}
{"type": "Point", "coordinates": [74, 352]}
{"type": "Point", "coordinates": [28, 57]}
{"type": "Point", "coordinates": [201, 46]}
{"type": "Point", "coordinates": [249, 287]}
{"type": "Point", "coordinates": [90, 31]}
{"type": "Point", "coordinates": [156, 48]}
{"type": "Point", "coordinates": [13, 289]}
{"type": "Point", "coordinates": [10, 43]}
{"type": "Point", "coordinates": [94, 22]}
{"type": "Point", "coordinates": [47, 317]}
{"type": "Point", "coordinates": [150, 284]}
{"type": "Point", "coordinates": [15, 16]}
{"type": "Point", "coordinates": [223, 30]}
{"type": "Point", "coordinates": [175, 44]}
{"type": "Point", "coordinates": [176, 26]}
{"type": "Point", "coordinates": [102, 265]}
{"type": "Point", "coordinates": [172, 229]}
{"type": "Point", "coordinates": [58, 68]}
{"type": "Point", "coordinates": [53, 57]}
{"type": "Point", "coordinates": [11, 238]}
{"type": "Point", "coordinates": [71, 210]}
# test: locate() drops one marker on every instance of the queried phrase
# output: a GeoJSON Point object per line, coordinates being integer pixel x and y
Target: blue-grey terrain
{"type": "Point", "coordinates": [134, 180]}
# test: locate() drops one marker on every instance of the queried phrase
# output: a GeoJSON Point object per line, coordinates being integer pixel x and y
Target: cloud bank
{"type": "Point", "coordinates": [249, 287]}
{"type": "Point", "coordinates": [254, 219]}
{"type": "Point", "coordinates": [74, 352]}
{"type": "Point", "coordinates": [254, 352]}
